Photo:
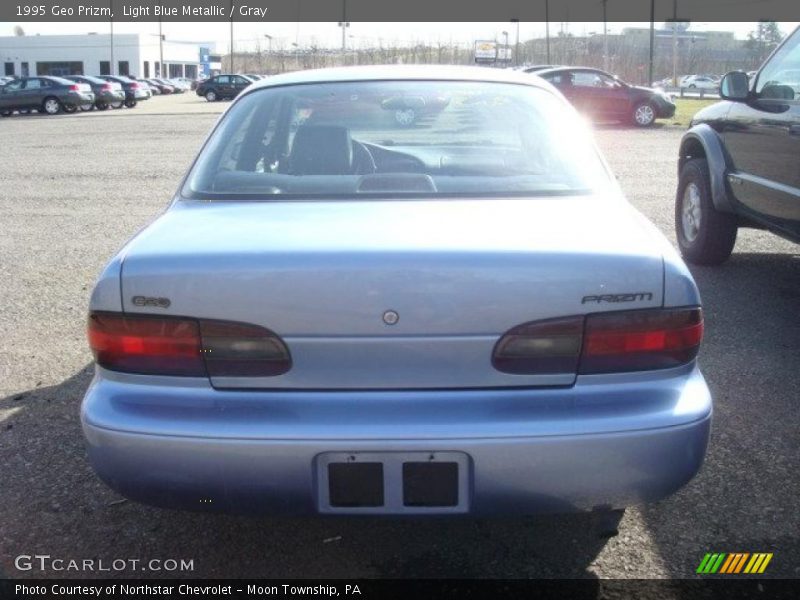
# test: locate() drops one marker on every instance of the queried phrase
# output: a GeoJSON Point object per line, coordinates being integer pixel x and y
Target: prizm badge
{"type": "Point", "coordinates": [631, 297]}
{"type": "Point", "coordinates": [150, 301]}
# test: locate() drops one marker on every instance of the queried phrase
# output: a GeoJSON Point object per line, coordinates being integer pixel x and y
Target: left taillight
{"type": "Point", "coordinates": [179, 346]}
{"type": "Point", "coordinates": [74, 88]}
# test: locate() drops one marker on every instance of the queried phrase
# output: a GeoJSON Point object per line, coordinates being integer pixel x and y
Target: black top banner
{"type": "Point", "coordinates": [397, 10]}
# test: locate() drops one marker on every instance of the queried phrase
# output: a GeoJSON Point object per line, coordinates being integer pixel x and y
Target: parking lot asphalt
{"type": "Point", "coordinates": [73, 188]}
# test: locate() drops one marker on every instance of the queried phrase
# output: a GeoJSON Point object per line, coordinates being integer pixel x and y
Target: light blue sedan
{"type": "Point", "coordinates": [341, 315]}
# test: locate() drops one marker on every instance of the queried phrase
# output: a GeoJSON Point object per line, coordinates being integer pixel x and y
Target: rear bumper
{"type": "Point", "coordinates": [78, 98]}
{"type": "Point", "coordinates": [597, 444]}
{"type": "Point", "coordinates": [112, 96]}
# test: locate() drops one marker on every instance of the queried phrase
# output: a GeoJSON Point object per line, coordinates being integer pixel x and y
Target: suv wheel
{"type": "Point", "coordinates": [705, 235]}
{"type": "Point", "coordinates": [644, 114]}
{"type": "Point", "coordinates": [131, 103]}
{"type": "Point", "coordinates": [211, 96]}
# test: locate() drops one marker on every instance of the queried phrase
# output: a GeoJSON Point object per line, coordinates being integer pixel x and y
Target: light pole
{"type": "Point", "coordinates": [547, 27]}
{"type": "Point", "coordinates": [296, 55]}
{"type": "Point", "coordinates": [516, 45]}
{"type": "Point", "coordinates": [160, 50]}
{"type": "Point", "coordinates": [605, 37]}
{"type": "Point", "coordinates": [505, 46]}
{"type": "Point", "coordinates": [269, 48]}
{"type": "Point", "coordinates": [652, 41]}
{"type": "Point", "coordinates": [344, 25]}
{"type": "Point", "coordinates": [111, 21]}
{"type": "Point", "coordinates": [231, 36]}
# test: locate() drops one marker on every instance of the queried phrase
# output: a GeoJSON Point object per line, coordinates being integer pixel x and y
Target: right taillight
{"type": "Point", "coordinates": [611, 342]}
{"type": "Point", "coordinates": [156, 345]}
{"type": "Point", "coordinates": [641, 340]}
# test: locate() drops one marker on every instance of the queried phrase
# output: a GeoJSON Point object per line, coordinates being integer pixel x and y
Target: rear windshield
{"type": "Point", "coordinates": [397, 138]}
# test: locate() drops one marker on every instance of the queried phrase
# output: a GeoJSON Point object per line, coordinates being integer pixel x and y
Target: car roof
{"type": "Point", "coordinates": [400, 73]}
{"type": "Point", "coordinates": [564, 69]}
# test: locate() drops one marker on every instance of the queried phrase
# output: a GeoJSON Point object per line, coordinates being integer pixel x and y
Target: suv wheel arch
{"type": "Point", "coordinates": [701, 141]}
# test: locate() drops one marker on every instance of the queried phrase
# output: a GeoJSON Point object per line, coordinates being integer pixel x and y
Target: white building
{"type": "Point", "coordinates": [94, 54]}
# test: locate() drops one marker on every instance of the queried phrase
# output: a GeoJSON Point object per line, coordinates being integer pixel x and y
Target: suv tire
{"type": "Point", "coordinates": [705, 235]}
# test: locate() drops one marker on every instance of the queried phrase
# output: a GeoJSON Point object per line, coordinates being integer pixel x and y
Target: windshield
{"type": "Point", "coordinates": [397, 138]}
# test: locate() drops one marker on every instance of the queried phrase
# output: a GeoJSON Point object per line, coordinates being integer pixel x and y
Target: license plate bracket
{"type": "Point", "coordinates": [428, 482]}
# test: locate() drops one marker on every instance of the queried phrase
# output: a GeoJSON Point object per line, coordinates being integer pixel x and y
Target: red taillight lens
{"type": "Point", "coordinates": [141, 344]}
{"type": "Point", "coordinates": [74, 88]}
{"type": "Point", "coordinates": [641, 340]}
{"type": "Point", "coordinates": [134, 85]}
{"type": "Point", "coordinates": [185, 347]}
{"type": "Point", "coordinates": [635, 340]}
{"type": "Point", "coordinates": [106, 87]}
{"type": "Point", "coordinates": [540, 347]}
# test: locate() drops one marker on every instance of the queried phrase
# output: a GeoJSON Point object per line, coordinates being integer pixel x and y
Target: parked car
{"type": "Point", "coordinates": [222, 87]}
{"type": "Point", "coordinates": [135, 91]}
{"type": "Point", "coordinates": [180, 84]}
{"type": "Point", "coordinates": [106, 94]}
{"type": "Point", "coordinates": [537, 68]}
{"type": "Point", "coordinates": [48, 95]}
{"type": "Point", "coordinates": [739, 163]}
{"type": "Point", "coordinates": [176, 89]}
{"type": "Point", "coordinates": [436, 320]}
{"type": "Point", "coordinates": [161, 86]}
{"type": "Point", "coordinates": [700, 82]}
{"type": "Point", "coordinates": [254, 77]}
{"type": "Point", "coordinates": [155, 90]}
{"type": "Point", "coordinates": [407, 109]}
{"type": "Point", "coordinates": [607, 98]}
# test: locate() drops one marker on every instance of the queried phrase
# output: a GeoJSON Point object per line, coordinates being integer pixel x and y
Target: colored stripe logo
{"type": "Point", "coordinates": [733, 563]}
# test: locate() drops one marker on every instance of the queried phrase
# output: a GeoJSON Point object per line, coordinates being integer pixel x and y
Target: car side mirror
{"type": "Point", "coordinates": [735, 86]}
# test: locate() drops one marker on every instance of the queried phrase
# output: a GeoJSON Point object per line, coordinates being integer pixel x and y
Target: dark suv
{"type": "Point", "coordinates": [739, 163]}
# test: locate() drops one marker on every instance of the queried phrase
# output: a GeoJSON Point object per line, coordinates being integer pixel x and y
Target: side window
{"type": "Point", "coordinates": [780, 77]}
{"type": "Point", "coordinates": [586, 79]}
{"type": "Point", "coordinates": [33, 84]}
{"type": "Point", "coordinates": [240, 81]}
{"type": "Point", "coordinates": [14, 86]}
{"type": "Point", "coordinates": [222, 80]}
{"type": "Point", "coordinates": [560, 79]}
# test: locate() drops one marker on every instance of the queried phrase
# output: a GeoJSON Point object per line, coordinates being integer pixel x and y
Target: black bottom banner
{"type": "Point", "coordinates": [576, 589]}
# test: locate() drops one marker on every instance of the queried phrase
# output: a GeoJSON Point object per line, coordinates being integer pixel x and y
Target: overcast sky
{"type": "Point", "coordinates": [359, 34]}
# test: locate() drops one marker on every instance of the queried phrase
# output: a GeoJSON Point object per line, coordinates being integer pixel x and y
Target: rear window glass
{"type": "Point", "coordinates": [395, 138]}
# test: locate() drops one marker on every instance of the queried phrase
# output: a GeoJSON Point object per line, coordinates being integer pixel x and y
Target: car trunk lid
{"type": "Point", "coordinates": [457, 273]}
